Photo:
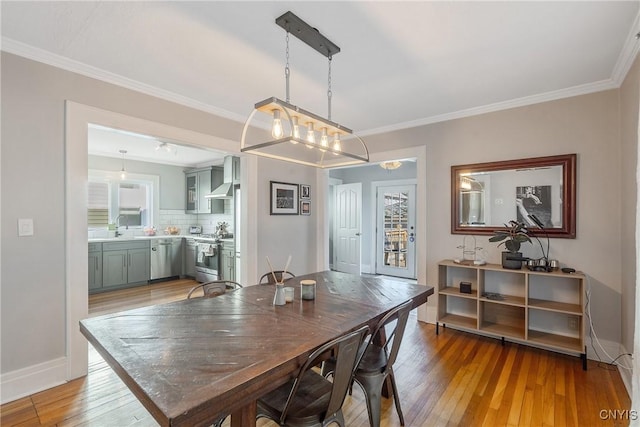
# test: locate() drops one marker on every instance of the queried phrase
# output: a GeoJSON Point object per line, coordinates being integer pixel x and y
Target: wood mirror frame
{"type": "Point", "coordinates": [566, 191]}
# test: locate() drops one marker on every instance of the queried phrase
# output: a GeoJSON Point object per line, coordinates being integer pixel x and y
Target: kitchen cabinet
{"type": "Point", "coordinates": [236, 170]}
{"type": "Point", "coordinates": [535, 308]}
{"type": "Point", "coordinates": [95, 266]}
{"type": "Point", "coordinates": [199, 183]}
{"type": "Point", "coordinates": [125, 263]}
{"type": "Point", "coordinates": [217, 178]}
{"type": "Point", "coordinates": [228, 261]}
{"type": "Point", "coordinates": [190, 249]}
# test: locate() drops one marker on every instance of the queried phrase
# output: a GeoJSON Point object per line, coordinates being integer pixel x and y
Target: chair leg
{"type": "Point", "coordinates": [372, 387]}
{"type": "Point", "coordinates": [396, 398]}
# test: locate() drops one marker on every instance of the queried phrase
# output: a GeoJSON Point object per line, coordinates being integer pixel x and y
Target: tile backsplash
{"type": "Point", "coordinates": [174, 217]}
{"type": "Point", "coordinates": [183, 220]}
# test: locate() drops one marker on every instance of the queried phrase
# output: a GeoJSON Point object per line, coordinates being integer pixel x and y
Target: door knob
{"type": "Point", "coordinates": [358, 234]}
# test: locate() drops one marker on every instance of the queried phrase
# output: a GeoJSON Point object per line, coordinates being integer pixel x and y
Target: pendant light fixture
{"type": "Point", "coordinates": [337, 145]}
{"type": "Point", "coordinates": [123, 171]}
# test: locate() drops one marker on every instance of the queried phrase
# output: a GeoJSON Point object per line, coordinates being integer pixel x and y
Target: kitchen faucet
{"type": "Point", "coordinates": [126, 225]}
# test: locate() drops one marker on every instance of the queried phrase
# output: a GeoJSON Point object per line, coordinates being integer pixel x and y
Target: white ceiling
{"type": "Point", "coordinates": [402, 64]}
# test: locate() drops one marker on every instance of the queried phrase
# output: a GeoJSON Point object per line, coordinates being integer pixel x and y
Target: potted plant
{"type": "Point", "coordinates": [512, 237]}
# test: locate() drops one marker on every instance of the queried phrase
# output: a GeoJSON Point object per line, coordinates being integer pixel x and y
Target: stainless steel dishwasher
{"type": "Point", "coordinates": [166, 258]}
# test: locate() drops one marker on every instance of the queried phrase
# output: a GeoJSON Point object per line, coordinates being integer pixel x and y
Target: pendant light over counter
{"type": "Point", "coordinates": [123, 171]}
{"type": "Point", "coordinates": [293, 129]}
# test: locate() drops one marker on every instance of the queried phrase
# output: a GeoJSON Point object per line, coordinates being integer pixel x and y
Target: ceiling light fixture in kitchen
{"type": "Point", "coordinates": [338, 145]}
{"type": "Point", "coordinates": [390, 165]}
{"type": "Point", "coordinates": [123, 172]}
{"type": "Point", "coordinates": [163, 146]}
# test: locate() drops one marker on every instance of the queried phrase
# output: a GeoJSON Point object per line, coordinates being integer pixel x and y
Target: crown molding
{"type": "Point", "coordinates": [627, 56]}
{"type": "Point", "coordinates": [628, 53]}
{"type": "Point", "coordinates": [41, 55]}
{"type": "Point", "coordinates": [498, 106]}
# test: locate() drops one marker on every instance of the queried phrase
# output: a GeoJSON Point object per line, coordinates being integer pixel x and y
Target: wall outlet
{"type": "Point", "coordinates": [573, 323]}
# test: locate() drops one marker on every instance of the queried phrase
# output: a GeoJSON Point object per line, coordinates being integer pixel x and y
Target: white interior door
{"type": "Point", "coordinates": [348, 220]}
{"type": "Point", "coordinates": [395, 235]}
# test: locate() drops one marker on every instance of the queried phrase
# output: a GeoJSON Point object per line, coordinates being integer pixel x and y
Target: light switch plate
{"type": "Point", "coordinates": [25, 227]}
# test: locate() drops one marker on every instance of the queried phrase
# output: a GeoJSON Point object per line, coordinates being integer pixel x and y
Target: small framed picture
{"type": "Point", "coordinates": [305, 191]}
{"type": "Point", "coordinates": [284, 198]}
{"type": "Point", "coordinates": [305, 208]}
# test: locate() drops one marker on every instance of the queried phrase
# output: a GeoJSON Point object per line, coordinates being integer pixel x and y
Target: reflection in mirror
{"type": "Point", "coordinates": [485, 196]}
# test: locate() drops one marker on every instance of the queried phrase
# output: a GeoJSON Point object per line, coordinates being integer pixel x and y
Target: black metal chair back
{"type": "Point", "coordinates": [311, 400]}
{"type": "Point", "coordinates": [215, 288]}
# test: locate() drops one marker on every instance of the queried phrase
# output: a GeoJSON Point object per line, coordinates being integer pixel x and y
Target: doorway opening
{"type": "Point", "coordinates": [355, 224]}
{"type": "Point", "coordinates": [78, 117]}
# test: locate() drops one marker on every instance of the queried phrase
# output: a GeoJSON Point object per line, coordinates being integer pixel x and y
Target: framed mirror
{"type": "Point", "coordinates": [485, 196]}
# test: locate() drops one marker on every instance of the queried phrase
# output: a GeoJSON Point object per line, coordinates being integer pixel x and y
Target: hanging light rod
{"type": "Point", "coordinates": [305, 32]}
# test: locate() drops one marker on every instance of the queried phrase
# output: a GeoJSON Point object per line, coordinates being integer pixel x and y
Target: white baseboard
{"type": "Point", "coordinates": [626, 362]}
{"type": "Point", "coordinates": [26, 381]}
{"type": "Point", "coordinates": [427, 314]}
{"type": "Point", "coordinates": [366, 268]}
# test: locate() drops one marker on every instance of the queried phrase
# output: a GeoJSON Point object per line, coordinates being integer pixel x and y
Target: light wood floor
{"type": "Point", "coordinates": [453, 379]}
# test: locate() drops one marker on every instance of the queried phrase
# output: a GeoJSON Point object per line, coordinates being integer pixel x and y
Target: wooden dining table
{"type": "Point", "coordinates": [194, 361]}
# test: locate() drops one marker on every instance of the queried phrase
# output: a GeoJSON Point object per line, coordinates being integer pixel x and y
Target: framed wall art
{"type": "Point", "coordinates": [305, 207]}
{"type": "Point", "coordinates": [284, 198]}
{"type": "Point", "coordinates": [305, 191]}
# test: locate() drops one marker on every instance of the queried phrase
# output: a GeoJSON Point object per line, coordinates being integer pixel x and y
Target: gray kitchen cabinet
{"type": "Point", "coordinates": [228, 261]}
{"type": "Point", "coordinates": [217, 178]}
{"type": "Point", "coordinates": [190, 249]}
{"type": "Point", "coordinates": [125, 263]}
{"type": "Point", "coordinates": [236, 170]}
{"type": "Point", "coordinates": [201, 182]}
{"type": "Point", "coordinates": [95, 266]}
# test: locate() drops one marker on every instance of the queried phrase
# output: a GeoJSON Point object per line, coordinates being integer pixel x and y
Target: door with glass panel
{"type": "Point", "coordinates": [395, 236]}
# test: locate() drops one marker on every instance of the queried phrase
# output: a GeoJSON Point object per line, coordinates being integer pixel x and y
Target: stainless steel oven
{"type": "Point", "coordinates": [207, 261]}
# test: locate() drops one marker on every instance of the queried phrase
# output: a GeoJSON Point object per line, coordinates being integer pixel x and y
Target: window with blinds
{"type": "Point", "coordinates": [124, 203]}
{"type": "Point", "coordinates": [98, 204]}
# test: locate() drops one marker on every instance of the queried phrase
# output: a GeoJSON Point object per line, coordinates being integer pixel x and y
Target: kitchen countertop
{"type": "Point", "coordinates": [127, 238]}
{"type": "Point", "coordinates": [158, 236]}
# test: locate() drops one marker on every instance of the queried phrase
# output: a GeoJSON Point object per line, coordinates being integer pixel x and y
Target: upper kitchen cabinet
{"type": "Point", "coordinates": [236, 170]}
{"type": "Point", "coordinates": [200, 182]}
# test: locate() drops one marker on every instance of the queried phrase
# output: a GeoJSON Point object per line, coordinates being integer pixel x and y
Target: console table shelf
{"type": "Point", "coordinates": [537, 308]}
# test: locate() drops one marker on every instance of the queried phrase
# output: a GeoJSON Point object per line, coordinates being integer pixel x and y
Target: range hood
{"type": "Point", "coordinates": [224, 191]}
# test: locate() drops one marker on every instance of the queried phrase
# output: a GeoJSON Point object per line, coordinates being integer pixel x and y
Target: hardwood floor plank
{"type": "Point", "coordinates": [451, 379]}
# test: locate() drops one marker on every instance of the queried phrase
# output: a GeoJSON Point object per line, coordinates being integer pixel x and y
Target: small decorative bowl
{"type": "Point", "coordinates": [172, 230]}
{"type": "Point", "coordinates": [149, 231]}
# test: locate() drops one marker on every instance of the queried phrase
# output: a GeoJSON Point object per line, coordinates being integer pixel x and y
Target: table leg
{"type": "Point", "coordinates": [245, 416]}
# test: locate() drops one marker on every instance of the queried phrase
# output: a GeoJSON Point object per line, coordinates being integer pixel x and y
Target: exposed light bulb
{"type": "Point", "coordinates": [276, 128]}
{"type": "Point", "coordinates": [337, 146]}
{"type": "Point", "coordinates": [324, 139]}
{"type": "Point", "coordinates": [311, 135]}
{"type": "Point", "coordinates": [296, 129]}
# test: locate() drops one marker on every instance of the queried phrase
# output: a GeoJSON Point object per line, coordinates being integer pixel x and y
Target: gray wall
{"type": "Point", "coordinates": [282, 235]}
{"type": "Point", "coordinates": [366, 175]}
{"type": "Point", "coordinates": [172, 179]}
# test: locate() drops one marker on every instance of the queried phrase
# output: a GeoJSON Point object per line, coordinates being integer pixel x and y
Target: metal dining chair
{"type": "Point", "coordinates": [267, 278]}
{"type": "Point", "coordinates": [376, 364]}
{"type": "Point", "coordinates": [215, 288]}
{"type": "Point", "coordinates": [310, 399]}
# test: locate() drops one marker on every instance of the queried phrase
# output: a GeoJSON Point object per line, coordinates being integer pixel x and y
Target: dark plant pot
{"type": "Point", "coordinates": [511, 264]}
